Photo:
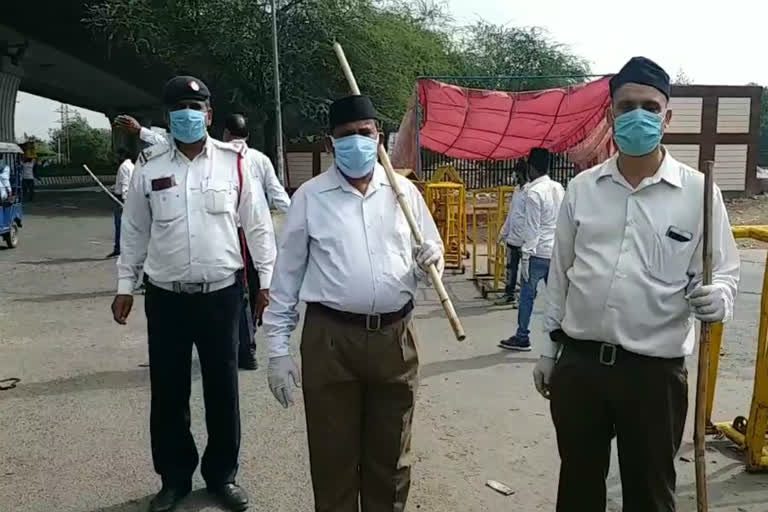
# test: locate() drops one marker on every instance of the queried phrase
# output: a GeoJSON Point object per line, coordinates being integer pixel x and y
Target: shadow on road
{"type": "Point", "coordinates": [196, 501]}
{"type": "Point", "coordinates": [472, 363]}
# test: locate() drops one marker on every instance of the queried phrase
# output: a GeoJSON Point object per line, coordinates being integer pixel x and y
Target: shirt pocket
{"type": "Point", "coordinates": [670, 259]}
{"type": "Point", "coordinates": [167, 205]}
{"type": "Point", "coordinates": [218, 197]}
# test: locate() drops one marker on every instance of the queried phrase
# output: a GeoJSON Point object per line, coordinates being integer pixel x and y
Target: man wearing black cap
{"type": "Point", "coordinates": [180, 223]}
{"type": "Point", "coordinates": [347, 251]}
{"type": "Point", "coordinates": [624, 286]}
{"type": "Point", "coordinates": [542, 204]}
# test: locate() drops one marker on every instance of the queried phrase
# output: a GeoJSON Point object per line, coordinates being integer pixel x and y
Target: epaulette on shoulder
{"type": "Point", "coordinates": [152, 152]}
{"type": "Point", "coordinates": [236, 147]}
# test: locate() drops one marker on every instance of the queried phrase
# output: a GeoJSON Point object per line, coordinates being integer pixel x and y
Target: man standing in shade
{"type": "Point", "coordinates": [542, 204]}
{"type": "Point", "coordinates": [511, 233]}
{"type": "Point", "coordinates": [347, 251]}
{"type": "Point", "coordinates": [625, 284]}
{"type": "Point", "coordinates": [181, 223]}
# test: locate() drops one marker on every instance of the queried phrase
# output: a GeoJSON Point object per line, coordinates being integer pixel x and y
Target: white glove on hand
{"type": "Point", "coordinates": [279, 370]}
{"type": "Point", "coordinates": [426, 254]}
{"type": "Point", "coordinates": [525, 265]}
{"type": "Point", "coordinates": [708, 303]}
{"type": "Point", "coordinates": [542, 373]}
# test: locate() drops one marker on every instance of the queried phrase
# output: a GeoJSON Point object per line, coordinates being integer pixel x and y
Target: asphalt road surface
{"type": "Point", "coordinates": [74, 432]}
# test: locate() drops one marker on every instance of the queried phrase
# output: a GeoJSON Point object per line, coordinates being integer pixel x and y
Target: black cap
{"type": "Point", "coordinates": [640, 70]}
{"type": "Point", "coordinates": [539, 159]}
{"type": "Point", "coordinates": [181, 88]}
{"type": "Point", "coordinates": [351, 108]}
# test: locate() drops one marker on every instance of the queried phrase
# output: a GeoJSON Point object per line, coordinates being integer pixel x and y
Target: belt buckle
{"type": "Point", "coordinates": [610, 350]}
{"type": "Point", "coordinates": [191, 288]}
{"type": "Point", "coordinates": [368, 322]}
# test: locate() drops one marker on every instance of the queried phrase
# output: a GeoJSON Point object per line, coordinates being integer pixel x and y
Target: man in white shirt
{"type": "Point", "coordinates": [28, 178]}
{"type": "Point", "coordinates": [120, 190]}
{"type": "Point", "coordinates": [624, 286]}
{"type": "Point", "coordinates": [236, 132]}
{"type": "Point", "coordinates": [347, 251]}
{"type": "Point", "coordinates": [180, 223]}
{"type": "Point", "coordinates": [512, 233]}
{"type": "Point", "coordinates": [542, 204]}
{"type": "Point", "coordinates": [6, 191]}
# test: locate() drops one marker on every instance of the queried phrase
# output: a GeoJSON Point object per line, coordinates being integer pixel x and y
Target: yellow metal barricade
{"type": "Point", "coordinates": [447, 202]}
{"type": "Point", "coordinates": [489, 210]}
{"type": "Point", "coordinates": [748, 433]}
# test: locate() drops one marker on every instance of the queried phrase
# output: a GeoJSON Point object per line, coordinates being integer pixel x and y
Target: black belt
{"type": "Point", "coordinates": [607, 354]}
{"type": "Point", "coordinates": [372, 322]}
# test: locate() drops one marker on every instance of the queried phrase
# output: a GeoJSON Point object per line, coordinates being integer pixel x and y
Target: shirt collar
{"type": "Point", "coordinates": [336, 180]}
{"type": "Point", "coordinates": [668, 171]}
{"type": "Point", "coordinates": [207, 148]}
{"type": "Point", "coordinates": [540, 179]}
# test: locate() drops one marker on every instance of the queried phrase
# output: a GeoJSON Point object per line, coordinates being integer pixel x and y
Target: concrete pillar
{"type": "Point", "coordinates": [10, 78]}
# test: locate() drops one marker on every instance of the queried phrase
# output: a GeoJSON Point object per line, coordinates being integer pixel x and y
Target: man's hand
{"type": "Point", "coordinates": [262, 301]}
{"type": "Point", "coordinates": [128, 124]}
{"type": "Point", "coordinates": [121, 308]}
{"type": "Point", "coordinates": [525, 268]}
{"type": "Point", "coordinates": [708, 303]}
{"type": "Point", "coordinates": [426, 254]}
{"type": "Point", "coordinates": [279, 371]}
{"type": "Point", "coordinates": [542, 374]}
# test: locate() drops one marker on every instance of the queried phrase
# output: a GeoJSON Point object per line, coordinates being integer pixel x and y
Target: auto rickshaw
{"type": "Point", "coordinates": [11, 211]}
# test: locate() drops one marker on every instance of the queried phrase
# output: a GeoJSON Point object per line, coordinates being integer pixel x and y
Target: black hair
{"type": "Point", "coordinates": [237, 125]}
{"type": "Point", "coordinates": [539, 160]}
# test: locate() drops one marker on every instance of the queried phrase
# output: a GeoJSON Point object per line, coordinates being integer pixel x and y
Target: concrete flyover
{"type": "Point", "coordinates": [46, 50]}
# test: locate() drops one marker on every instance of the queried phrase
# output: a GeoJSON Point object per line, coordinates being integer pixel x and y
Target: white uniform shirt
{"type": "Point", "coordinates": [123, 180]}
{"type": "Point", "coordinates": [348, 252]}
{"type": "Point", "coordinates": [5, 182]}
{"type": "Point", "coordinates": [28, 170]}
{"type": "Point", "coordinates": [512, 230]}
{"type": "Point", "coordinates": [180, 220]}
{"type": "Point", "coordinates": [617, 277]}
{"type": "Point", "coordinates": [261, 168]}
{"type": "Point", "coordinates": [152, 137]}
{"type": "Point", "coordinates": [543, 197]}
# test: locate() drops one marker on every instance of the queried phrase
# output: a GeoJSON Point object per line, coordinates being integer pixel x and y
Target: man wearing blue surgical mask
{"type": "Point", "coordinates": [180, 223]}
{"type": "Point", "coordinates": [625, 284]}
{"type": "Point", "coordinates": [346, 250]}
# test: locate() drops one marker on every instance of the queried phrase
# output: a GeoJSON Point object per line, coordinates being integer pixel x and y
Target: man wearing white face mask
{"type": "Point", "coordinates": [347, 251]}
{"type": "Point", "coordinates": [624, 286]}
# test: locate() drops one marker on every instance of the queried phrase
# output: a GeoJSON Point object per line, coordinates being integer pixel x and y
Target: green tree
{"type": "Point", "coordinates": [83, 143]}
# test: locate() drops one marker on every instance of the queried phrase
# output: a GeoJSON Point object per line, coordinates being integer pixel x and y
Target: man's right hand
{"type": "Point", "coordinates": [121, 308]}
{"type": "Point", "coordinates": [127, 123]}
{"type": "Point", "coordinates": [280, 371]}
{"type": "Point", "coordinates": [542, 375]}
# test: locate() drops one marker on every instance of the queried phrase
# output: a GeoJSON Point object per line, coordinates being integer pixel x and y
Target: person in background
{"type": "Point", "coordinates": [236, 132]}
{"type": "Point", "coordinates": [181, 224]}
{"type": "Point", "coordinates": [511, 233]}
{"type": "Point", "coordinates": [120, 190]}
{"type": "Point", "coordinates": [542, 204]}
{"type": "Point", "coordinates": [28, 179]}
{"type": "Point", "coordinates": [625, 284]}
{"type": "Point", "coordinates": [6, 191]}
{"type": "Point", "coordinates": [347, 251]}
{"type": "Point", "coordinates": [131, 125]}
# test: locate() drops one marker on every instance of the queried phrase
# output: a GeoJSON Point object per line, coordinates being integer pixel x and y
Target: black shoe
{"type": "Point", "coordinates": [168, 498]}
{"type": "Point", "coordinates": [514, 343]}
{"type": "Point", "coordinates": [231, 497]}
{"type": "Point", "coordinates": [247, 363]}
{"type": "Point", "coordinates": [113, 254]}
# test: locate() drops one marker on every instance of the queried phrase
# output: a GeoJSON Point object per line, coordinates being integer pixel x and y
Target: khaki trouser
{"type": "Point", "coordinates": [359, 392]}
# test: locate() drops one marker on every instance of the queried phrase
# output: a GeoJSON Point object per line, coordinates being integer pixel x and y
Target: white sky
{"type": "Point", "coordinates": [716, 42]}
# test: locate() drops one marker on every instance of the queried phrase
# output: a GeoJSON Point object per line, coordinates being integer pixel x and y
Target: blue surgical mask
{"type": "Point", "coordinates": [638, 132]}
{"type": "Point", "coordinates": [355, 155]}
{"type": "Point", "coordinates": [187, 125]}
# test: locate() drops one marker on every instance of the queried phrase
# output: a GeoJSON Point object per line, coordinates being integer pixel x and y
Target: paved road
{"type": "Point", "coordinates": [74, 436]}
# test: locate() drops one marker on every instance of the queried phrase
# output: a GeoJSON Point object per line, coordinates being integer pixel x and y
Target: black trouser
{"type": "Point", "coordinates": [175, 321]}
{"type": "Point", "coordinates": [643, 401]}
{"type": "Point", "coordinates": [28, 189]}
{"type": "Point", "coordinates": [247, 324]}
{"type": "Point", "coordinates": [513, 262]}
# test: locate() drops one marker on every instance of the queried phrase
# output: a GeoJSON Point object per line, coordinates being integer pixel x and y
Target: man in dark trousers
{"type": "Point", "coordinates": [624, 285]}
{"type": "Point", "coordinates": [180, 222]}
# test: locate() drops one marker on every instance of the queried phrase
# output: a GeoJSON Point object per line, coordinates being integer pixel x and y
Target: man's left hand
{"type": "Point", "coordinates": [525, 269]}
{"type": "Point", "coordinates": [262, 301]}
{"type": "Point", "coordinates": [428, 253]}
{"type": "Point", "coordinates": [708, 303]}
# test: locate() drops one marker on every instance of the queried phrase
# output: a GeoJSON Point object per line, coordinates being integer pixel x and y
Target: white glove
{"type": "Point", "coordinates": [525, 265]}
{"type": "Point", "coordinates": [279, 370]}
{"type": "Point", "coordinates": [426, 254]}
{"type": "Point", "coordinates": [542, 373]}
{"type": "Point", "coordinates": [708, 303]}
